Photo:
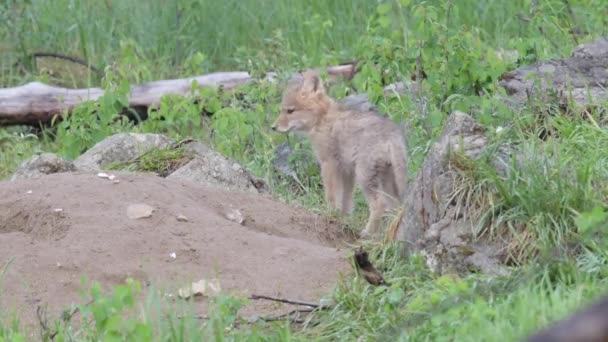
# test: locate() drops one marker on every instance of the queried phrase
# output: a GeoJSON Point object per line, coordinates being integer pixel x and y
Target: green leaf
{"type": "Point", "coordinates": [213, 105]}
{"type": "Point", "coordinates": [384, 21]}
{"type": "Point", "coordinates": [395, 295]}
{"type": "Point", "coordinates": [378, 290]}
{"type": "Point", "coordinates": [586, 221]}
{"type": "Point", "coordinates": [435, 118]}
{"type": "Point", "coordinates": [383, 8]}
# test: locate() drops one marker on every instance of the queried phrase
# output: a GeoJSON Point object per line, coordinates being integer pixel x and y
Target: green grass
{"type": "Point", "coordinates": [16, 145]}
{"type": "Point", "coordinates": [555, 197]}
{"type": "Point", "coordinates": [160, 161]}
{"type": "Point", "coordinates": [421, 306]}
{"type": "Point", "coordinates": [169, 36]}
{"type": "Point", "coordinates": [418, 306]}
{"type": "Point", "coordinates": [195, 36]}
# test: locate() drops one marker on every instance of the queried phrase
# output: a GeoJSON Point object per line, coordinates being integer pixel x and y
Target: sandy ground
{"type": "Point", "coordinates": [56, 228]}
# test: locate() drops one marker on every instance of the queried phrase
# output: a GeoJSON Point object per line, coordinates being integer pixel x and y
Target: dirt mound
{"type": "Point", "coordinates": [59, 227]}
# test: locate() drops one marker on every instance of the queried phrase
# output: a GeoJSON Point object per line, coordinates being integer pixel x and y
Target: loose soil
{"type": "Point", "coordinates": [56, 228]}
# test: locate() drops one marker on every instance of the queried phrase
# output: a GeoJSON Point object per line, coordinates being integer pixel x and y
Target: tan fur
{"type": "Point", "coordinates": [350, 146]}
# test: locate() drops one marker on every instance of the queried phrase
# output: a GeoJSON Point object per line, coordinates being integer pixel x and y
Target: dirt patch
{"type": "Point", "coordinates": [34, 217]}
{"type": "Point", "coordinates": [59, 227]}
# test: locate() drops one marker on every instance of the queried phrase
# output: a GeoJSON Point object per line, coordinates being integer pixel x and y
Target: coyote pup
{"type": "Point", "coordinates": [349, 146]}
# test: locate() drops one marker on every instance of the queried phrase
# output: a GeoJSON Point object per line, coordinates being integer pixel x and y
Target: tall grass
{"type": "Point", "coordinates": [170, 33]}
{"type": "Point", "coordinates": [227, 33]}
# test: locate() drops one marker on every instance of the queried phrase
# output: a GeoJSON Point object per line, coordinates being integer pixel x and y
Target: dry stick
{"type": "Point", "coordinates": [42, 320]}
{"type": "Point", "coordinates": [313, 306]}
{"type": "Point", "coordinates": [72, 59]}
{"type": "Point", "coordinates": [282, 316]}
{"type": "Point", "coordinates": [295, 311]}
{"type": "Point", "coordinates": [283, 300]}
{"type": "Point", "coordinates": [182, 142]}
{"type": "Point", "coordinates": [250, 320]}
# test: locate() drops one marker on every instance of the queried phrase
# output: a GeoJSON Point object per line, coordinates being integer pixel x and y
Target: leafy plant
{"type": "Point", "coordinates": [91, 121]}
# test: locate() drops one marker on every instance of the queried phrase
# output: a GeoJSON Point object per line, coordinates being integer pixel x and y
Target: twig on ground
{"type": "Point", "coordinates": [283, 300]}
{"type": "Point", "coordinates": [182, 142]}
{"type": "Point", "coordinates": [42, 320]}
{"type": "Point", "coordinates": [285, 316]}
{"type": "Point", "coordinates": [281, 317]}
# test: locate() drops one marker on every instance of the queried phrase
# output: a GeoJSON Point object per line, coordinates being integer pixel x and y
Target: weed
{"type": "Point", "coordinates": [160, 161]}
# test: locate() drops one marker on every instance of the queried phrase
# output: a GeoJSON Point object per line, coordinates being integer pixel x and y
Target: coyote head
{"type": "Point", "coordinates": [304, 104]}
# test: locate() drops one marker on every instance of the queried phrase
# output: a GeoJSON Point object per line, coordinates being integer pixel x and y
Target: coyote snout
{"type": "Point", "coordinates": [302, 108]}
{"type": "Point", "coordinates": [350, 146]}
{"type": "Point", "coordinates": [284, 125]}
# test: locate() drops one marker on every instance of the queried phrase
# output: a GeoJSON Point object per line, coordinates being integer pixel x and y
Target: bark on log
{"type": "Point", "coordinates": [35, 103]}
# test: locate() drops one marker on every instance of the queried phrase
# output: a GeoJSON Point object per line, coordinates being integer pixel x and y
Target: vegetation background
{"type": "Point", "coordinates": [557, 198]}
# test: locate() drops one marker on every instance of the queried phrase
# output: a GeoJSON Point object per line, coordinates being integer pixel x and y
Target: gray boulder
{"type": "Point", "coordinates": [119, 148]}
{"type": "Point", "coordinates": [281, 159]}
{"type": "Point", "coordinates": [42, 164]}
{"type": "Point", "coordinates": [213, 169]}
{"type": "Point", "coordinates": [434, 224]}
{"type": "Point", "coordinates": [583, 74]}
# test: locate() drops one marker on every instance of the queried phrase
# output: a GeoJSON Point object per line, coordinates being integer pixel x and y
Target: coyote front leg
{"type": "Point", "coordinates": [331, 184]}
{"type": "Point", "coordinates": [348, 183]}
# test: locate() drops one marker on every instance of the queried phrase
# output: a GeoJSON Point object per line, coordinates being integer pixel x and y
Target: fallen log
{"type": "Point", "coordinates": [37, 103]}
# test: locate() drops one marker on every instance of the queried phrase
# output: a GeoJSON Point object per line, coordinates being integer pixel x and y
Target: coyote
{"type": "Point", "coordinates": [349, 146]}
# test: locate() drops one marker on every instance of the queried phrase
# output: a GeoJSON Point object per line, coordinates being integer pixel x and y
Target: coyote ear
{"type": "Point", "coordinates": [313, 85]}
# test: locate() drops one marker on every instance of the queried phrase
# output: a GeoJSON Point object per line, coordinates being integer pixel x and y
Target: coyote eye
{"type": "Point", "coordinates": [290, 110]}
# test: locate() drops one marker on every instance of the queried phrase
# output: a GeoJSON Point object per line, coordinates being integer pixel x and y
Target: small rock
{"type": "Point", "coordinates": [280, 162]}
{"type": "Point", "coordinates": [173, 255]}
{"type": "Point", "coordinates": [119, 148]}
{"type": "Point", "coordinates": [43, 164]}
{"type": "Point", "coordinates": [235, 215]}
{"type": "Point", "coordinates": [200, 288]}
{"type": "Point", "coordinates": [213, 169]}
{"type": "Point", "coordinates": [109, 177]}
{"type": "Point", "coordinates": [139, 210]}
{"type": "Point", "coordinates": [182, 218]}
